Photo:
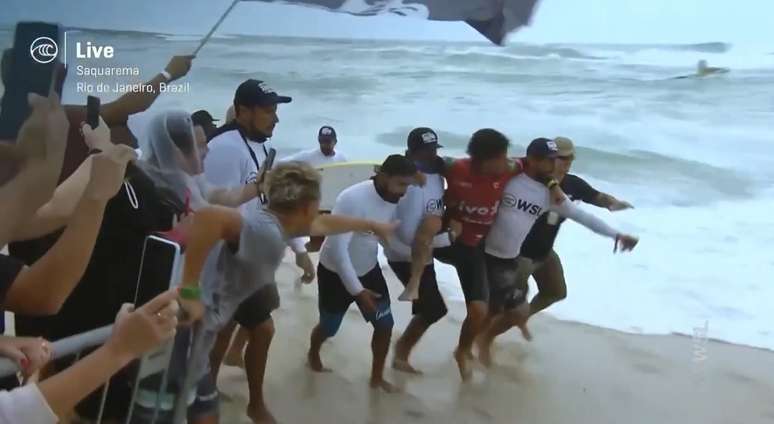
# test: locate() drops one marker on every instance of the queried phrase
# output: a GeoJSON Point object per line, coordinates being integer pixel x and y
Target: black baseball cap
{"type": "Point", "coordinates": [543, 148]}
{"type": "Point", "coordinates": [422, 137]}
{"type": "Point", "coordinates": [256, 93]}
{"type": "Point", "coordinates": [327, 132]}
{"type": "Point", "coordinates": [202, 118]}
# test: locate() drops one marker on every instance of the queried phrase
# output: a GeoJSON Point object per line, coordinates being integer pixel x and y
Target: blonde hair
{"type": "Point", "coordinates": [292, 185]}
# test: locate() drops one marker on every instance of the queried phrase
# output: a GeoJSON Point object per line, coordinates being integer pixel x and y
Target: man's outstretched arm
{"type": "Point", "coordinates": [118, 111]}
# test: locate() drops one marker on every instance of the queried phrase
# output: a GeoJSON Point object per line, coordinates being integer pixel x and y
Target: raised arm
{"type": "Point", "coordinates": [209, 226]}
{"type": "Point", "coordinates": [118, 111]}
{"type": "Point", "coordinates": [42, 288]}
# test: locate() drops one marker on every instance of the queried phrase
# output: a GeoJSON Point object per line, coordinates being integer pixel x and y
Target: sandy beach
{"type": "Point", "coordinates": [570, 373]}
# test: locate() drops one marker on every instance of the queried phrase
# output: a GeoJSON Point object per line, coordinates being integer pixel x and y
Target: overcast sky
{"type": "Point", "coordinates": [579, 21]}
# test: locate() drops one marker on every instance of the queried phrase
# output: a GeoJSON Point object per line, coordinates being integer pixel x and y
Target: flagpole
{"type": "Point", "coordinates": [215, 27]}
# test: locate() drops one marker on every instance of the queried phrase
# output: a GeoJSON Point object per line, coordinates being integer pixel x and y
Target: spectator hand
{"type": "Point", "coordinates": [31, 353]}
{"type": "Point", "coordinates": [107, 171]}
{"type": "Point", "coordinates": [138, 331]}
{"type": "Point", "coordinates": [97, 138]}
{"type": "Point", "coordinates": [179, 66]}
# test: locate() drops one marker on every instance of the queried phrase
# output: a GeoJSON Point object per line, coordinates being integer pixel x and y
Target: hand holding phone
{"type": "Point", "coordinates": [92, 111]}
{"type": "Point", "coordinates": [31, 67]}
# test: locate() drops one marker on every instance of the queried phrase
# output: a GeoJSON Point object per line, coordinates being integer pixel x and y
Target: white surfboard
{"type": "Point", "coordinates": [338, 176]}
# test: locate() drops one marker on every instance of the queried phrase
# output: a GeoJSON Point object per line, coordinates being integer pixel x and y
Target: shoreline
{"type": "Point", "coordinates": [571, 373]}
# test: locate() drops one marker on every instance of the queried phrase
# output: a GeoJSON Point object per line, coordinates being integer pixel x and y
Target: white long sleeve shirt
{"type": "Point", "coordinates": [230, 164]}
{"type": "Point", "coordinates": [524, 200]}
{"type": "Point", "coordinates": [352, 255]}
{"type": "Point", "coordinates": [25, 405]}
{"type": "Point", "coordinates": [413, 207]}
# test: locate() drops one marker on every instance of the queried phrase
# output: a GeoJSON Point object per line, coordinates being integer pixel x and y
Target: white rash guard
{"type": "Point", "coordinates": [230, 164]}
{"type": "Point", "coordinates": [315, 157]}
{"type": "Point", "coordinates": [351, 255]}
{"type": "Point", "coordinates": [524, 200]}
{"type": "Point", "coordinates": [413, 207]}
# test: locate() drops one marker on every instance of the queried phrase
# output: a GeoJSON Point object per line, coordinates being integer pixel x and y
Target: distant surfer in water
{"type": "Point", "coordinates": [702, 70]}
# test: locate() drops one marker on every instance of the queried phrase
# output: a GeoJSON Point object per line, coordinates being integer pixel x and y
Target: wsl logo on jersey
{"type": "Point", "coordinates": [434, 205]}
{"type": "Point", "coordinates": [511, 202]}
{"type": "Point", "coordinates": [43, 50]}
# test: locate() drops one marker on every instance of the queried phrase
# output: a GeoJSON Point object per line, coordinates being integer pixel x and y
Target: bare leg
{"type": "Point", "coordinates": [315, 343]}
{"type": "Point", "coordinates": [235, 355]}
{"type": "Point", "coordinates": [219, 350]}
{"type": "Point", "coordinates": [551, 285]}
{"type": "Point", "coordinates": [256, 357]}
{"type": "Point", "coordinates": [380, 345]}
{"type": "Point", "coordinates": [499, 325]}
{"type": "Point", "coordinates": [471, 327]}
{"type": "Point", "coordinates": [415, 330]}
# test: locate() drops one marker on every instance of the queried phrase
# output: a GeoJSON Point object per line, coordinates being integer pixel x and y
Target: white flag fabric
{"type": "Point", "coordinates": [492, 18]}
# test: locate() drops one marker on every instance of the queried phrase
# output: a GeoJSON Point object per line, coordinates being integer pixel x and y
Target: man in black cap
{"type": "Point", "coordinates": [525, 199]}
{"type": "Point", "coordinates": [325, 154]}
{"type": "Point", "coordinates": [203, 119]}
{"type": "Point", "coordinates": [410, 255]}
{"type": "Point", "coordinates": [236, 152]}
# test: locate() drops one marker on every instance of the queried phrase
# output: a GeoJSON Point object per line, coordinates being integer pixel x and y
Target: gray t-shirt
{"type": "Point", "coordinates": [234, 272]}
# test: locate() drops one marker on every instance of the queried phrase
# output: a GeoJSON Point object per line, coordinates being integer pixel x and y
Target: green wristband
{"type": "Point", "coordinates": [190, 293]}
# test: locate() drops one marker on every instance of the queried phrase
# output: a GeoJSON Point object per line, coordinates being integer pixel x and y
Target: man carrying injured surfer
{"type": "Point", "coordinates": [410, 254]}
{"type": "Point", "coordinates": [524, 203]}
{"type": "Point", "coordinates": [475, 187]}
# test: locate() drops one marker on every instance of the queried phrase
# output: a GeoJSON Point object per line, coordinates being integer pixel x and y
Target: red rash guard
{"type": "Point", "coordinates": [473, 198]}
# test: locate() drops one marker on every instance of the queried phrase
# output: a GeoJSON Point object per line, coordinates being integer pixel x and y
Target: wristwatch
{"type": "Point", "coordinates": [552, 183]}
{"type": "Point", "coordinates": [166, 75]}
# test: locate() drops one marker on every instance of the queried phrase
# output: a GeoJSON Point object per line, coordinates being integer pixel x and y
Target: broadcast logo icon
{"type": "Point", "coordinates": [44, 50]}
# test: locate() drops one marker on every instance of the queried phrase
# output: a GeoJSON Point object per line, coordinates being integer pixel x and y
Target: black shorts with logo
{"type": "Point", "coordinates": [430, 305]}
{"type": "Point", "coordinates": [334, 297]}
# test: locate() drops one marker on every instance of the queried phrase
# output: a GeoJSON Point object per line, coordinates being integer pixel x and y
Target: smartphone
{"type": "Point", "coordinates": [31, 67]}
{"type": "Point", "coordinates": [159, 268]}
{"type": "Point", "coordinates": [268, 163]}
{"type": "Point", "coordinates": [92, 111]}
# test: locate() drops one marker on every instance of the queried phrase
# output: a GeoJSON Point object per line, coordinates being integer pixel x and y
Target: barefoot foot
{"type": "Point", "coordinates": [409, 295]}
{"type": "Point", "coordinates": [260, 415]}
{"type": "Point", "coordinates": [381, 384]}
{"type": "Point", "coordinates": [315, 363]}
{"type": "Point", "coordinates": [462, 364]}
{"type": "Point", "coordinates": [404, 366]}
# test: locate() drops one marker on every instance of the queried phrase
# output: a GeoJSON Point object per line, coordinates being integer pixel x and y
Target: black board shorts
{"type": "Point", "coordinates": [257, 309]}
{"type": "Point", "coordinates": [471, 269]}
{"type": "Point", "coordinates": [335, 299]}
{"type": "Point", "coordinates": [430, 305]}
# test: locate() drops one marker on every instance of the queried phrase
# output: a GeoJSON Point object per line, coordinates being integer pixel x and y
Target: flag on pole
{"type": "Point", "coordinates": [495, 19]}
